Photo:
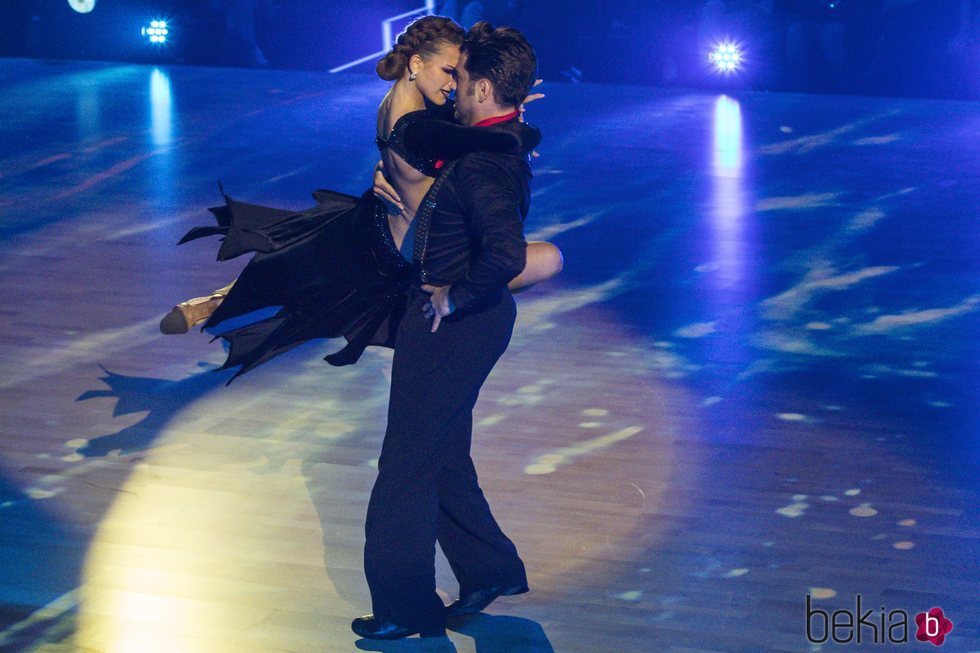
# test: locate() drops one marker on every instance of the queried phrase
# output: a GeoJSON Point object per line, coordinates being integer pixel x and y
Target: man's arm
{"type": "Point", "coordinates": [491, 198]}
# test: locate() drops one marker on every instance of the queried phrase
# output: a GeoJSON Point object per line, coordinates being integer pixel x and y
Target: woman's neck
{"type": "Point", "coordinates": [406, 96]}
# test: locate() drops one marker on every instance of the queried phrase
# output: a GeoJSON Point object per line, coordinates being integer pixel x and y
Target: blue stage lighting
{"type": "Point", "coordinates": [157, 32]}
{"type": "Point", "coordinates": [726, 57]}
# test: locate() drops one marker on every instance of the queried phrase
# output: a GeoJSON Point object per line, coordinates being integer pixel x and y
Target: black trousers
{"type": "Point", "coordinates": [427, 488]}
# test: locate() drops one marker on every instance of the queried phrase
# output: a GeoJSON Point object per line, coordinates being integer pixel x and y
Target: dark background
{"type": "Point", "coordinates": [926, 48]}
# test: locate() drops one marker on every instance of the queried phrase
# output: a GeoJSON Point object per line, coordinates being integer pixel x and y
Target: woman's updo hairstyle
{"type": "Point", "coordinates": [425, 36]}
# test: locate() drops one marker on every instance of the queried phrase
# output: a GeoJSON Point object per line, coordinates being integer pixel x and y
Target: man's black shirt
{"type": "Point", "coordinates": [476, 234]}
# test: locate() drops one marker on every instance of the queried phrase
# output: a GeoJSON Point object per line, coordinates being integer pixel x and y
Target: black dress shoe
{"type": "Point", "coordinates": [477, 601]}
{"type": "Point", "coordinates": [370, 627]}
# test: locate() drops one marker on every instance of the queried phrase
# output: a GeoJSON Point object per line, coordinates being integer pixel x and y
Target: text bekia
{"type": "Point", "coordinates": [845, 626]}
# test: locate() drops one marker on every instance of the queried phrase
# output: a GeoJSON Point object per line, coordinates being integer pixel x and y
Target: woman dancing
{"type": "Point", "coordinates": [340, 268]}
{"type": "Point", "coordinates": [421, 65]}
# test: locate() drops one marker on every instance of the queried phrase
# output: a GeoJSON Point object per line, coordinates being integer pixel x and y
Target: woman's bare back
{"type": "Point", "coordinates": [410, 184]}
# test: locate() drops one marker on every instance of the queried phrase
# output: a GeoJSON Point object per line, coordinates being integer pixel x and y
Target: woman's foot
{"type": "Point", "coordinates": [186, 314]}
{"type": "Point", "coordinates": [194, 311]}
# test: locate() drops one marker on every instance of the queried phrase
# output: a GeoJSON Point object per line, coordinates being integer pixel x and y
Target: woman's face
{"type": "Point", "coordinates": [435, 74]}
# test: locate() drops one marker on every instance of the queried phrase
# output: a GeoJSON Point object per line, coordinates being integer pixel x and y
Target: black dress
{"type": "Point", "coordinates": [332, 270]}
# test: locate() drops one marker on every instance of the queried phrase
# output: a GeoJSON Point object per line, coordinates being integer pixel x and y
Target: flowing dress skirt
{"type": "Point", "coordinates": [331, 271]}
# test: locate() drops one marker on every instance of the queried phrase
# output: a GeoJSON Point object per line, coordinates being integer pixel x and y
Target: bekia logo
{"type": "Point", "coordinates": [933, 626]}
{"type": "Point", "coordinates": [892, 627]}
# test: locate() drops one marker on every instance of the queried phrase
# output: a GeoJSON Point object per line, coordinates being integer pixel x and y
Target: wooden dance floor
{"type": "Point", "coordinates": [755, 380]}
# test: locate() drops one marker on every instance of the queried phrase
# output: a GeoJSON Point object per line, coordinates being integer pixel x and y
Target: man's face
{"type": "Point", "coordinates": [465, 93]}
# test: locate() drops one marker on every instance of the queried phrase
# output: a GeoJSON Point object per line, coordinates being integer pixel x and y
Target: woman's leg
{"type": "Point", "coordinates": [544, 261]}
{"type": "Point", "coordinates": [194, 311]}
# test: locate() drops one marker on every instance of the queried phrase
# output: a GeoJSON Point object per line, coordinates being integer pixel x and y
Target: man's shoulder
{"type": "Point", "coordinates": [486, 158]}
{"type": "Point", "coordinates": [490, 163]}
{"type": "Point", "coordinates": [485, 174]}
{"type": "Point", "coordinates": [521, 139]}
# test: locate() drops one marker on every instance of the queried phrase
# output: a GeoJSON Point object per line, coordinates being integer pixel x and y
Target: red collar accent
{"type": "Point", "coordinates": [489, 122]}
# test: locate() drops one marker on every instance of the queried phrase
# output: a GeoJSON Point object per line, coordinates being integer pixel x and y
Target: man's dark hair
{"type": "Point", "coordinates": [505, 58]}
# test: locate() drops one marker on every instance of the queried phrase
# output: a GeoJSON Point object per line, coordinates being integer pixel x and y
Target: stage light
{"type": "Point", "coordinates": [726, 57]}
{"type": "Point", "coordinates": [157, 32]}
{"type": "Point", "coordinates": [82, 6]}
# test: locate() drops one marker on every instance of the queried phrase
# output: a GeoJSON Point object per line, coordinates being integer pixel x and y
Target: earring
{"type": "Point", "coordinates": [412, 77]}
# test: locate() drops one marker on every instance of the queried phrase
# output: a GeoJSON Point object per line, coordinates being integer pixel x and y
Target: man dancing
{"type": "Point", "coordinates": [468, 244]}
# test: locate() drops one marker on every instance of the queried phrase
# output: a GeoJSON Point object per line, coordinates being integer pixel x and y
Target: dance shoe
{"type": "Point", "coordinates": [186, 314]}
{"type": "Point", "coordinates": [370, 627]}
{"type": "Point", "coordinates": [477, 601]}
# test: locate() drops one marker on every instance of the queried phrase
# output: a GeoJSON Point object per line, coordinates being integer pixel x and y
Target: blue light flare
{"type": "Point", "coordinates": [729, 201]}
{"type": "Point", "coordinates": [161, 109]}
{"type": "Point", "coordinates": [727, 159]}
{"type": "Point", "coordinates": [727, 57]}
{"type": "Point", "coordinates": [157, 32]}
{"type": "Point", "coordinates": [82, 6]}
